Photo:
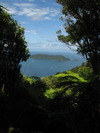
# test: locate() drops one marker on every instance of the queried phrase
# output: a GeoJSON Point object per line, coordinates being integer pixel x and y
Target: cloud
{"type": "Point", "coordinates": [32, 11]}
{"type": "Point", "coordinates": [54, 12]}
{"type": "Point", "coordinates": [47, 18]}
{"type": "Point", "coordinates": [39, 13]}
{"type": "Point", "coordinates": [23, 5]}
{"type": "Point", "coordinates": [31, 31]}
{"type": "Point", "coordinates": [44, 1]}
{"type": "Point", "coordinates": [11, 10]}
{"type": "Point", "coordinates": [47, 45]}
{"type": "Point", "coordinates": [23, 22]}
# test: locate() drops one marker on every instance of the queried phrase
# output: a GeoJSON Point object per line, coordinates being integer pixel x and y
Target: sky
{"type": "Point", "coordinates": [41, 20]}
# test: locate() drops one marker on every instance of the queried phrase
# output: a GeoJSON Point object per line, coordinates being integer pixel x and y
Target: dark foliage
{"type": "Point", "coordinates": [13, 50]}
{"type": "Point", "coordinates": [82, 25]}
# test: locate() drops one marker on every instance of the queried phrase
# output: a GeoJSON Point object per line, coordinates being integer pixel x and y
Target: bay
{"type": "Point", "coordinates": [42, 68]}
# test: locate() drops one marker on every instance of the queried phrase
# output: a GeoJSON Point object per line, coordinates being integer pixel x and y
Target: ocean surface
{"type": "Point", "coordinates": [42, 68]}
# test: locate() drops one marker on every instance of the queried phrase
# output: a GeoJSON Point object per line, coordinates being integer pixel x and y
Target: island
{"type": "Point", "coordinates": [50, 57]}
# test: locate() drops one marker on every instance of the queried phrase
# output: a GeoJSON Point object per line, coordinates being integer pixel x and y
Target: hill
{"type": "Point", "coordinates": [50, 57]}
{"type": "Point", "coordinates": [58, 83]}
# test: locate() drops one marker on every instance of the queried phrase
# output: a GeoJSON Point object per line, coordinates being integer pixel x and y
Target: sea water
{"type": "Point", "coordinates": [41, 68]}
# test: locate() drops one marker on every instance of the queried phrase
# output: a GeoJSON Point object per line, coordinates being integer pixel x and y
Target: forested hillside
{"type": "Point", "coordinates": [50, 57]}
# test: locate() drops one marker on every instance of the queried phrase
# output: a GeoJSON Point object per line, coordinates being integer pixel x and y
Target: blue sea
{"type": "Point", "coordinates": [42, 68]}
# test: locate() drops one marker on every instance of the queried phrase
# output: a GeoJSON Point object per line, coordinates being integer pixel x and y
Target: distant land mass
{"type": "Point", "coordinates": [50, 57]}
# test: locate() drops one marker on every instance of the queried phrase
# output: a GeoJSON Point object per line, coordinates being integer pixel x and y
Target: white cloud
{"type": "Point", "coordinates": [12, 10]}
{"type": "Point", "coordinates": [32, 11]}
{"type": "Point", "coordinates": [39, 14]}
{"type": "Point", "coordinates": [31, 31]}
{"type": "Point", "coordinates": [23, 22]}
{"type": "Point", "coordinates": [24, 5]}
{"type": "Point", "coordinates": [46, 45]}
{"type": "Point", "coordinates": [47, 18]}
{"type": "Point", "coordinates": [24, 11]}
{"type": "Point", "coordinates": [54, 12]}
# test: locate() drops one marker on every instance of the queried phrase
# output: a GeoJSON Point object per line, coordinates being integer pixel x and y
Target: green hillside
{"type": "Point", "coordinates": [50, 57]}
{"type": "Point", "coordinates": [64, 82]}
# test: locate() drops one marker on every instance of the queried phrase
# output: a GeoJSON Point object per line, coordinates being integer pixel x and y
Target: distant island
{"type": "Point", "coordinates": [50, 57]}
